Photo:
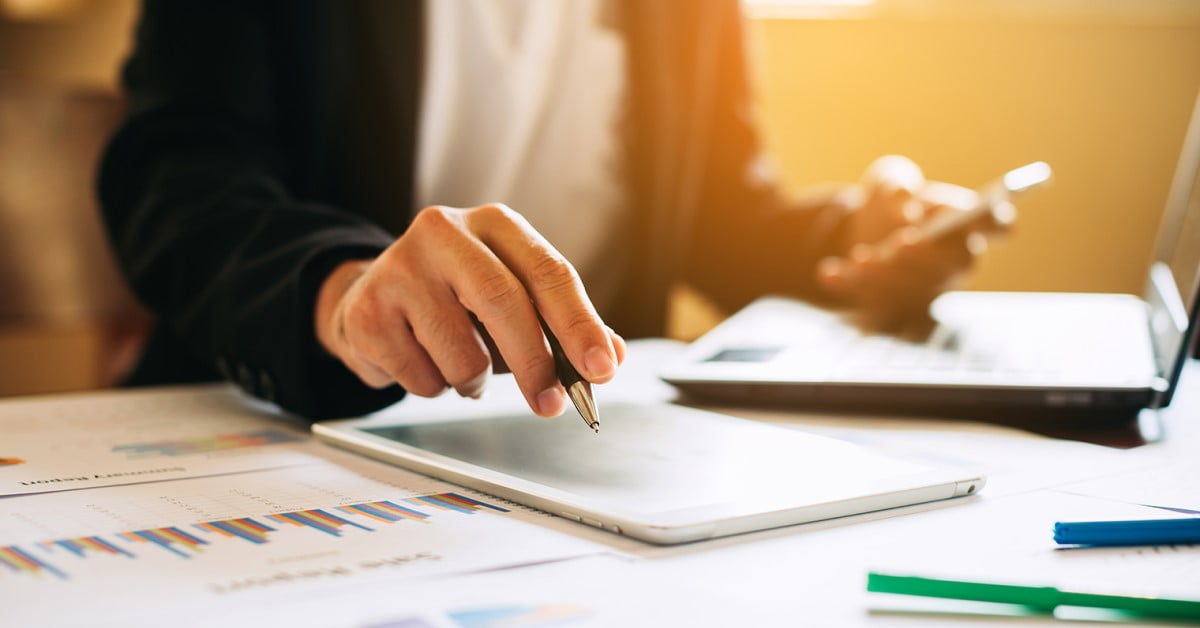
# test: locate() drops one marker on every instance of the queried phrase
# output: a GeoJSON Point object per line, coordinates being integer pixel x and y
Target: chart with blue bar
{"type": "Point", "coordinates": [277, 532]}
{"type": "Point", "coordinates": [52, 557]}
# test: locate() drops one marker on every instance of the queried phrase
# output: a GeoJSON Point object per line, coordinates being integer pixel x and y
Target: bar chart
{"type": "Point", "coordinates": [276, 534]}
{"type": "Point", "coordinates": [47, 557]}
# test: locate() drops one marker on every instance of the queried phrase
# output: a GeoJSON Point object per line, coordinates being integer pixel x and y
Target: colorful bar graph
{"type": "Point", "coordinates": [186, 544]}
{"type": "Point", "coordinates": [452, 501]}
{"type": "Point", "coordinates": [188, 446]}
{"type": "Point", "coordinates": [81, 545]}
{"type": "Point", "coordinates": [168, 539]}
{"type": "Point", "coordinates": [20, 561]}
{"type": "Point", "coordinates": [318, 520]}
{"type": "Point", "coordinates": [386, 511]}
{"type": "Point", "coordinates": [245, 528]}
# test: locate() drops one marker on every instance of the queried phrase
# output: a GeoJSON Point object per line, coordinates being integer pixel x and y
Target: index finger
{"type": "Point", "coordinates": [555, 289]}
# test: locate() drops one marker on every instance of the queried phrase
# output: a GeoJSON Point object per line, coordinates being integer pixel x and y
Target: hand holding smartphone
{"type": "Point", "coordinates": [1011, 185]}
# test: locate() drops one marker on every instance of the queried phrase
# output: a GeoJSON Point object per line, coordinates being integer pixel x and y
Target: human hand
{"type": "Point", "coordinates": [408, 316]}
{"type": "Point", "coordinates": [891, 273]}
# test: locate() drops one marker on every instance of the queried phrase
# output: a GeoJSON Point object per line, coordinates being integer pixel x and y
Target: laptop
{"type": "Point", "coordinates": [1091, 356]}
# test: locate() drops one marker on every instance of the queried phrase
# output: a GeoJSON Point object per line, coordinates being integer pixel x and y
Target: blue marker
{"type": "Point", "coordinates": [1137, 532]}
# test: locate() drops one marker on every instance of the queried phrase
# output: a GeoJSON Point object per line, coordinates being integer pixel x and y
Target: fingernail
{"type": "Point", "coordinates": [474, 388]}
{"type": "Point", "coordinates": [550, 402]}
{"type": "Point", "coordinates": [619, 346]}
{"type": "Point", "coordinates": [599, 363]}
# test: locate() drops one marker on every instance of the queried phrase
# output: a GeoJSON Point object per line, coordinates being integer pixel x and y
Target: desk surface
{"type": "Point", "coordinates": [561, 573]}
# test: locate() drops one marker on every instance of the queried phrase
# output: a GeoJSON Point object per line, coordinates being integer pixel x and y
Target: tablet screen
{"type": "Point", "coordinates": [660, 458]}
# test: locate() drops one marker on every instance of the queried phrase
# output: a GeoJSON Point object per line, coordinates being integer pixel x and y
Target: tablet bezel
{"type": "Point", "coordinates": [694, 523]}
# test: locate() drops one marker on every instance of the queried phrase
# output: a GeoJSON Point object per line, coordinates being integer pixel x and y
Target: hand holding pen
{"type": "Point", "coordinates": [406, 316]}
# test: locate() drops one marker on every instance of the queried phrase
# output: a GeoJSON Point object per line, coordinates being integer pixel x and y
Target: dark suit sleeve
{"type": "Point", "coordinates": [749, 239]}
{"type": "Point", "coordinates": [195, 187]}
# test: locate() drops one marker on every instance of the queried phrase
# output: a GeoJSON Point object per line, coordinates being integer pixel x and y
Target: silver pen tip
{"type": "Point", "coordinates": [581, 395]}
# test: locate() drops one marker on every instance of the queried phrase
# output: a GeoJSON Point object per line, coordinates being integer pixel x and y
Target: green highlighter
{"type": "Point", "coordinates": [1044, 599]}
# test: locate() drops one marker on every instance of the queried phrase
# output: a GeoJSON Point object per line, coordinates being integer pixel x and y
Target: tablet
{"type": "Point", "coordinates": [660, 473]}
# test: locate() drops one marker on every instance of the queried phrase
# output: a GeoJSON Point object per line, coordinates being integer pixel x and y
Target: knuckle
{"type": "Point", "coordinates": [499, 292]}
{"type": "Point", "coordinates": [553, 273]}
{"type": "Point", "coordinates": [496, 216]}
{"type": "Point", "coordinates": [580, 322]}
{"type": "Point", "coordinates": [532, 364]}
{"type": "Point", "coordinates": [436, 219]}
{"type": "Point", "coordinates": [496, 211]}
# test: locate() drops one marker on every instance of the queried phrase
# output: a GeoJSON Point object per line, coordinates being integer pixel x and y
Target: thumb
{"type": "Point", "coordinates": [894, 172]}
{"type": "Point", "coordinates": [893, 184]}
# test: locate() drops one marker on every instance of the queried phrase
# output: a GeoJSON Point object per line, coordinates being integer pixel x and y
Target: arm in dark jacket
{"type": "Point", "coordinates": [748, 238]}
{"type": "Point", "coordinates": [196, 190]}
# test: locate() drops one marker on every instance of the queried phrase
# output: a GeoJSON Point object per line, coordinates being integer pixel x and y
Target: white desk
{"type": "Point", "coordinates": [812, 574]}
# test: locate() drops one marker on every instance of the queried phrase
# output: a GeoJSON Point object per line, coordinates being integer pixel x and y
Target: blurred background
{"type": "Point", "coordinates": [1101, 89]}
{"type": "Point", "coordinates": [66, 320]}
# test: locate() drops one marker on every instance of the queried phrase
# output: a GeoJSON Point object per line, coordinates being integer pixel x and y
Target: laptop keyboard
{"type": "Point", "coordinates": [944, 355]}
{"type": "Point", "coordinates": [948, 356]}
{"type": "Point", "coordinates": [941, 352]}
{"type": "Point", "coordinates": [1007, 339]}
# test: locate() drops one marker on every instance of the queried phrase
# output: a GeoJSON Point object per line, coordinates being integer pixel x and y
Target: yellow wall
{"type": "Point", "coordinates": [1104, 98]}
{"type": "Point", "coordinates": [71, 43]}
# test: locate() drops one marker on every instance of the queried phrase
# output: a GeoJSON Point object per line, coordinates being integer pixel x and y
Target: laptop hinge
{"type": "Point", "coordinates": [1160, 387]}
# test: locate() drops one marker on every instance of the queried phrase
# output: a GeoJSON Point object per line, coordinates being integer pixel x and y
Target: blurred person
{"type": "Point", "coordinates": [332, 203]}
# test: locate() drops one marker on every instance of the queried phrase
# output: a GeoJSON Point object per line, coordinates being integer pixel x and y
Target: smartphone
{"type": "Point", "coordinates": [1010, 186]}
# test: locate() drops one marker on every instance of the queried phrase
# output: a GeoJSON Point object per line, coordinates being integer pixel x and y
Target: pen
{"type": "Point", "coordinates": [1040, 598]}
{"type": "Point", "coordinates": [1135, 532]}
{"type": "Point", "coordinates": [578, 388]}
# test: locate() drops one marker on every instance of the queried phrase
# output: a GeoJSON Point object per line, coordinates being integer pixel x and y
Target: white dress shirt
{"type": "Point", "coordinates": [521, 104]}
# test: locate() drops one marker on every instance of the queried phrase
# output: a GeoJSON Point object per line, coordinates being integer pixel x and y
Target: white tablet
{"type": "Point", "coordinates": [660, 473]}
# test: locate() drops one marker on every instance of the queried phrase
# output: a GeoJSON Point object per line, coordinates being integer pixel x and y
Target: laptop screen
{"type": "Point", "coordinates": [1181, 252]}
{"type": "Point", "coordinates": [1172, 287]}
